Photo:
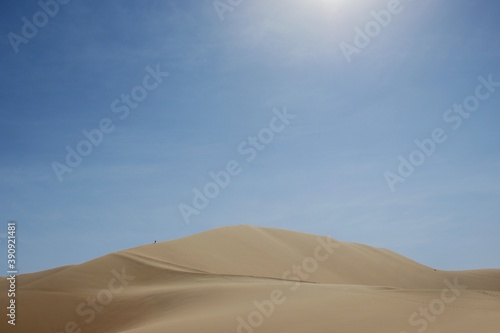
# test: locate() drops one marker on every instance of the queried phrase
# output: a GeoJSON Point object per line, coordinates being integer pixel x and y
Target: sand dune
{"type": "Point", "coordinates": [249, 279]}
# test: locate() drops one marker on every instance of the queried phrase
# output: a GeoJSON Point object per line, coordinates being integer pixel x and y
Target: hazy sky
{"type": "Point", "coordinates": [117, 115]}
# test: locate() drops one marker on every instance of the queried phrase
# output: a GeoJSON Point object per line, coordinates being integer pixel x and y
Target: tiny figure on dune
{"type": "Point", "coordinates": [155, 242]}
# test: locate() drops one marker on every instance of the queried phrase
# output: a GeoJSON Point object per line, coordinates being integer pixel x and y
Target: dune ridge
{"type": "Point", "coordinates": [250, 279]}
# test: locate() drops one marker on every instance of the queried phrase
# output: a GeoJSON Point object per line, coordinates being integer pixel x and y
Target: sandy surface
{"type": "Point", "coordinates": [248, 279]}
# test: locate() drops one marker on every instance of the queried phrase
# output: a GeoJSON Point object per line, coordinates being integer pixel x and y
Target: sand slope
{"type": "Point", "coordinates": [249, 279]}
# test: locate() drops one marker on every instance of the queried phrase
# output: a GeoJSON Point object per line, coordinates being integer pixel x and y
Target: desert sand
{"type": "Point", "coordinates": [249, 279]}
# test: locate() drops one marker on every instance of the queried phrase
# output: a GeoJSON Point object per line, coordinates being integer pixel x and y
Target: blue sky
{"type": "Point", "coordinates": [229, 74]}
